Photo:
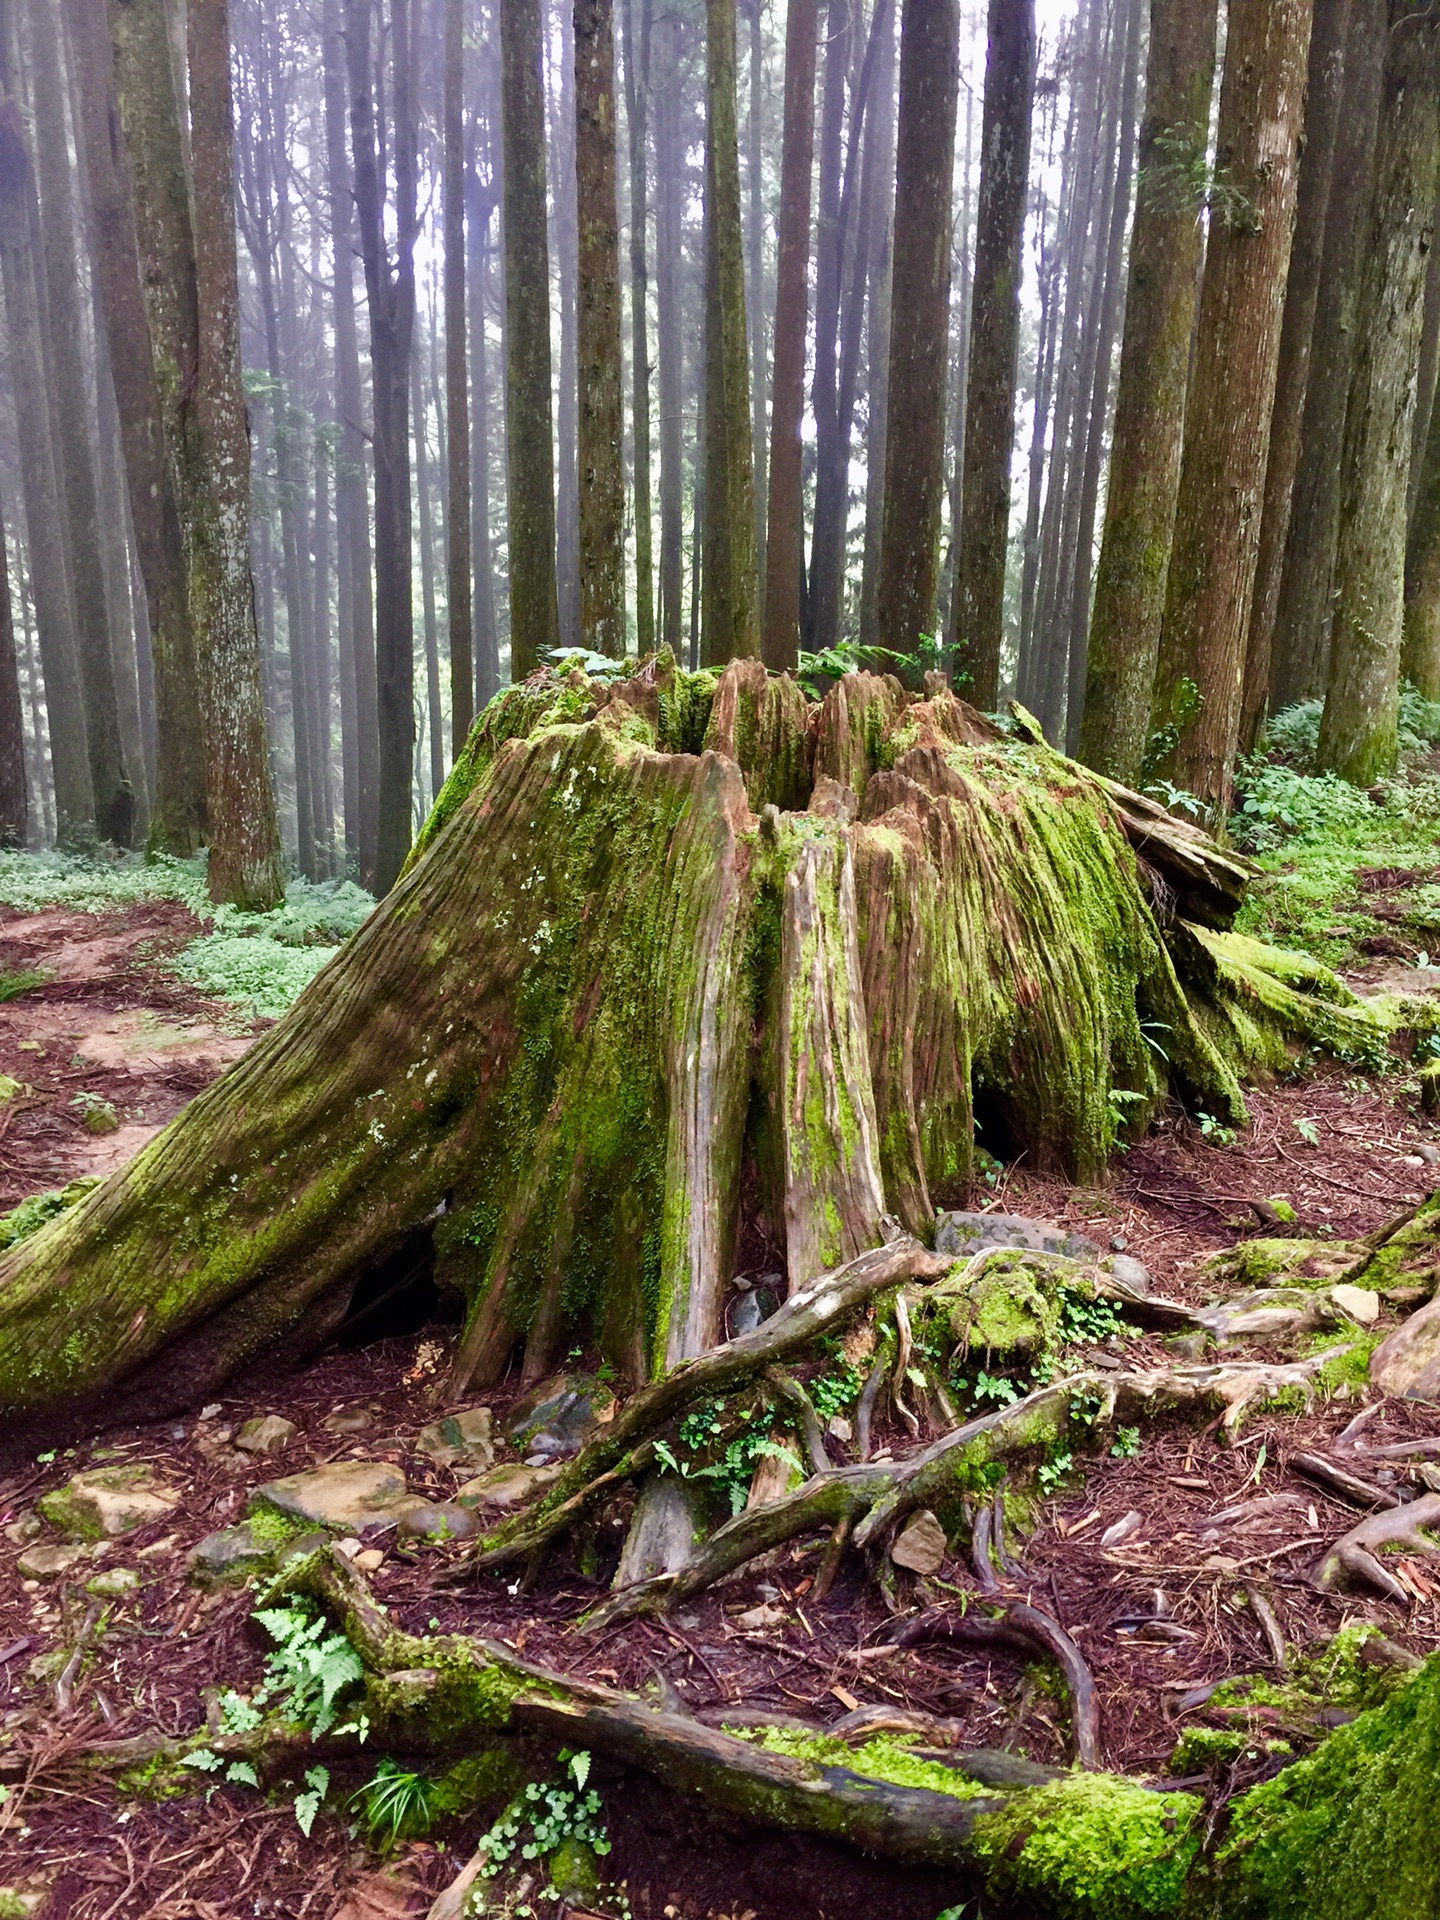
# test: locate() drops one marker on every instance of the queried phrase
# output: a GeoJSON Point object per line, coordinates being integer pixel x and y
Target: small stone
{"type": "Point", "coordinates": [267, 1433]}
{"type": "Point", "coordinates": [370, 1560]}
{"type": "Point", "coordinates": [209, 1413]}
{"type": "Point", "coordinates": [921, 1544]}
{"type": "Point", "coordinates": [460, 1440]}
{"type": "Point", "coordinates": [1357, 1303]}
{"type": "Point", "coordinates": [47, 1562]}
{"type": "Point", "coordinates": [1130, 1273]}
{"type": "Point", "coordinates": [760, 1619]}
{"type": "Point", "coordinates": [28, 1527]}
{"type": "Point", "coordinates": [156, 1548]}
{"type": "Point", "coordinates": [228, 1557]}
{"type": "Point", "coordinates": [444, 1520]}
{"type": "Point", "coordinates": [348, 1547]}
{"type": "Point", "coordinates": [1404, 1297]}
{"type": "Point", "coordinates": [348, 1496]}
{"type": "Point", "coordinates": [1118, 1243]}
{"type": "Point", "coordinates": [750, 1310]}
{"type": "Point", "coordinates": [1428, 1153]}
{"type": "Point", "coordinates": [966, 1233]}
{"type": "Point", "coordinates": [116, 1583]}
{"type": "Point", "coordinates": [506, 1486]}
{"type": "Point", "coordinates": [108, 1501]}
{"type": "Point", "coordinates": [1411, 1160]}
{"type": "Point", "coordinates": [840, 1429]}
{"type": "Point", "coordinates": [559, 1416]}
{"type": "Point", "coordinates": [349, 1420]}
{"type": "Point", "coordinates": [575, 1873]}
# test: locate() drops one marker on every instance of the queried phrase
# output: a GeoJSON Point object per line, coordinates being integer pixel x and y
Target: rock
{"type": "Point", "coordinates": [555, 1419]}
{"type": "Point", "coordinates": [116, 1583]}
{"type": "Point", "coordinates": [108, 1501]}
{"type": "Point", "coordinates": [351, 1496]}
{"type": "Point", "coordinates": [575, 1873]}
{"type": "Point", "coordinates": [840, 1429]}
{"type": "Point", "coordinates": [350, 1420]}
{"type": "Point", "coordinates": [1407, 1361]}
{"type": "Point", "coordinates": [370, 1559]}
{"type": "Point", "coordinates": [1404, 1297]}
{"type": "Point", "coordinates": [229, 1557]}
{"type": "Point", "coordinates": [28, 1527]}
{"type": "Point", "coordinates": [920, 1544]}
{"type": "Point", "coordinates": [506, 1486]}
{"type": "Point", "coordinates": [267, 1433]}
{"type": "Point", "coordinates": [746, 1311]}
{"type": "Point", "coordinates": [460, 1440]}
{"type": "Point", "coordinates": [760, 1619]}
{"type": "Point", "coordinates": [1357, 1303]}
{"type": "Point", "coordinates": [47, 1562]}
{"type": "Point", "coordinates": [1129, 1272]}
{"type": "Point", "coordinates": [1429, 1154]}
{"type": "Point", "coordinates": [1121, 1529]}
{"type": "Point", "coordinates": [959, 1234]}
{"type": "Point", "coordinates": [444, 1520]}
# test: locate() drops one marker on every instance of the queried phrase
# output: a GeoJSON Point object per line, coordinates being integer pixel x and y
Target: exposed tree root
{"type": "Point", "coordinates": [1355, 1556]}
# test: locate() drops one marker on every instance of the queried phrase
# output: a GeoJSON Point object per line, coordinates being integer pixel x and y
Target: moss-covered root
{"type": "Point", "coordinates": [1350, 1833]}
{"type": "Point", "coordinates": [1086, 1848]}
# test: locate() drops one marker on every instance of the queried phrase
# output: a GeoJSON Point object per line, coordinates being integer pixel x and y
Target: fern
{"type": "Point", "coordinates": [310, 1669]}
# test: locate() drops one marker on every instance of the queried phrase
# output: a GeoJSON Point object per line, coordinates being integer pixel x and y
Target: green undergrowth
{"type": "Point", "coordinates": [1314, 835]}
{"type": "Point", "coordinates": [40, 1208]}
{"type": "Point", "coordinates": [258, 961]}
{"type": "Point", "coordinates": [884, 1758]}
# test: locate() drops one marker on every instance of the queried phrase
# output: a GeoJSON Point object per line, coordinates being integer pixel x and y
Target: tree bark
{"type": "Point", "coordinates": [487, 638]}
{"type": "Point", "coordinates": [1323, 92]}
{"type": "Point", "coordinates": [49, 572]}
{"type": "Point", "coordinates": [1144, 476]}
{"type": "Point", "coordinates": [1300, 645]}
{"type": "Point", "coordinates": [534, 597]}
{"type": "Point", "coordinates": [755, 303]}
{"type": "Point", "coordinates": [457, 391]}
{"type": "Point", "coordinates": [881, 254]}
{"type": "Point", "coordinates": [915, 436]}
{"type": "Point", "coordinates": [14, 806]}
{"type": "Point", "coordinates": [667, 313]}
{"type": "Point", "coordinates": [994, 346]}
{"type": "Point", "coordinates": [1421, 659]}
{"type": "Point", "coordinates": [1362, 703]}
{"type": "Point", "coordinates": [637, 112]}
{"type": "Point", "coordinates": [110, 780]}
{"type": "Point", "coordinates": [731, 616]}
{"type": "Point", "coordinates": [1222, 479]}
{"type": "Point", "coordinates": [784, 545]}
{"type": "Point", "coordinates": [560, 102]}
{"type": "Point", "coordinates": [602, 398]}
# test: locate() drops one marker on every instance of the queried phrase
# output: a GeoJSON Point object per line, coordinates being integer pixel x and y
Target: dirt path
{"type": "Point", "coordinates": [111, 1022]}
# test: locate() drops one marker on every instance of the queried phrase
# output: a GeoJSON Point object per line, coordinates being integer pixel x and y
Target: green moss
{"type": "Point", "coordinates": [1300, 1263]}
{"type": "Point", "coordinates": [270, 1528]}
{"type": "Point", "coordinates": [883, 1758]}
{"type": "Point", "coordinates": [1350, 1833]}
{"type": "Point", "coordinates": [40, 1209]}
{"type": "Point", "coordinates": [1092, 1847]}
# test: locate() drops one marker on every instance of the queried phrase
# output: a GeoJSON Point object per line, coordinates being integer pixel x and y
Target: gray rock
{"type": "Point", "coordinates": [116, 1583]}
{"type": "Point", "coordinates": [267, 1433]}
{"type": "Point", "coordinates": [445, 1520]}
{"type": "Point", "coordinates": [460, 1440]}
{"type": "Point", "coordinates": [108, 1501]}
{"type": "Point", "coordinates": [959, 1234]}
{"type": "Point", "coordinates": [746, 1311]}
{"type": "Point", "coordinates": [229, 1557]}
{"type": "Point", "coordinates": [350, 1420]}
{"type": "Point", "coordinates": [47, 1562]}
{"type": "Point", "coordinates": [555, 1419]}
{"type": "Point", "coordinates": [1130, 1273]}
{"type": "Point", "coordinates": [350, 1496]}
{"type": "Point", "coordinates": [920, 1544]}
{"type": "Point", "coordinates": [506, 1486]}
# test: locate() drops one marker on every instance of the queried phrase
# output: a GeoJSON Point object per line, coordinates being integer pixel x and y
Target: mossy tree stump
{"type": "Point", "coordinates": [675, 956]}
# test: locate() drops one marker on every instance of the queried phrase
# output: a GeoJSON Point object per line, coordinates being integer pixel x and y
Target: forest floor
{"type": "Point", "coordinates": [111, 1026]}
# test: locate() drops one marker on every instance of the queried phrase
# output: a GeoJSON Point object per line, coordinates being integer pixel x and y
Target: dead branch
{"type": "Point", "coordinates": [1355, 1555]}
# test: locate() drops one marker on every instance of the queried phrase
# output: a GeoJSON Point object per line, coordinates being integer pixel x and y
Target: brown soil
{"type": "Point", "coordinates": [110, 1022]}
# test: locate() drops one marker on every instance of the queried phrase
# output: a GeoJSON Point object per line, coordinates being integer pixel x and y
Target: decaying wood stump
{"type": "Point", "coordinates": [671, 950]}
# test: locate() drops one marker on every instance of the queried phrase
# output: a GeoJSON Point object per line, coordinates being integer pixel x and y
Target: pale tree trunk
{"type": "Point", "coordinates": [915, 430]}
{"type": "Point", "coordinates": [1222, 479]}
{"type": "Point", "coordinates": [994, 346]}
{"type": "Point", "coordinates": [784, 544]}
{"type": "Point", "coordinates": [1421, 661]}
{"type": "Point", "coordinates": [602, 397]}
{"type": "Point", "coordinates": [435, 729]}
{"type": "Point", "coordinates": [482, 202]}
{"type": "Point", "coordinates": [49, 573]}
{"type": "Point", "coordinates": [457, 390]}
{"type": "Point", "coordinates": [561, 104]}
{"type": "Point", "coordinates": [1302, 294]}
{"type": "Point", "coordinates": [755, 274]}
{"type": "Point", "coordinates": [1150, 404]}
{"type": "Point", "coordinates": [390, 293]}
{"type": "Point", "coordinates": [667, 304]}
{"type": "Point", "coordinates": [14, 807]}
{"type": "Point", "coordinates": [534, 599]}
{"type": "Point", "coordinates": [731, 617]}
{"type": "Point", "coordinates": [1047, 287]}
{"type": "Point", "coordinates": [820, 618]}
{"type": "Point", "coordinates": [877, 333]}
{"type": "Point", "coordinates": [110, 780]}
{"type": "Point", "coordinates": [637, 111]}
{"type": "Point", "coordinates": [1362, 703]}
{"type": "Point", "coordinates": [1301, 637]}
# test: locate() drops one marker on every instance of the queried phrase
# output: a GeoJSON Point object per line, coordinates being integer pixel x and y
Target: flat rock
{"type": "Point", "coordinates": [555, 1419]}
{"type": "Point", "coordinates": [1407, 1361]}
{"type": "Point", "coordinates": [47, 1562]}
{"type": "Point", "coordinates": [920, 1545]}
{"type": "Point", "coordinates": [460, 1439]}
{"type": "Point", "coordinates": [506, 1486]}
{"type": "Point", "coordinates": [229, 1557]}
{"type": "Point", "coordinates": [351, 1496]}
{"type": "Point", "coordinates": [115, 1583]}
{"type": "Point", "coordinates": [958, 1234]}
{"type": "Point", "coordinates": [1357, 1303]}
{"type": "Point", "coordinates": [440, 1520]}
{"type": "Point", "coordinates": [1130, 1273]}
{"type": "Point", "coordinates": [350, 1420]}
{"type": "Point", "coordinates": [267, 1433]}
{"type": "Point", "coordinates": [108, 1501]}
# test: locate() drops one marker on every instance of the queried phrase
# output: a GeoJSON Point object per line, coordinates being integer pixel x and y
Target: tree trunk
{"type": "Point", "coordinates": [457, 391]}
{"type": "Point", "coordinates": [1362, 704]}
{"type": "Point", "coordinates": [602, 396]}
{"type": "Point", "coordinates": [1300, 645]}
{"type": "Point", "coordinates": [1422, 589]}
{"type": "Point", "coordinates": [14, 809]}
{"type": "Point", "coordinates": [784, 545]}
{"type": "Point", "coordinates": [755, 303]}
{"type": "Point", "coordinates": [822, 598]}
{"type": "Point", "coordinates": [881, 256]}
{"type": "Point", "coordinates": [731, 618]}
{"type": "Point", "coordinates": [1144, 477]}
{"type": "Point", "coordinates": [430, 629]}
{"type": "Point", "coordinates": [637, 110]}
{"type": "Point", "coordinates": [110, 780]}
{"type": "Point", "coordinates": [915, 431]}
{"type": "Point", "coordinates": [667, 314]}
{"type": "Point", "coordinates": [1222, 479]}
{"type": "Point", "coordinates": [994, 346]}
{"type": "Point", "coordinates": [177, 823]}
{"type": "Point", "coordinates": [487, 636]}
{"type": "Point", "coordinates": [49, 572]}
{"type": "Point", "coordinates": [534, 598]}
{"type": "Point", "coordinates": [1323, 92]}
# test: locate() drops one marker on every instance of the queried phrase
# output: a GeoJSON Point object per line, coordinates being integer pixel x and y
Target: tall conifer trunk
{"type": "Point", "coordinates": [602, 401]}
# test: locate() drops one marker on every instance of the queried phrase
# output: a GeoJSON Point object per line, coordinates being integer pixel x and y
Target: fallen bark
{"type": "Point", "coordinates": [1355, 1557]}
